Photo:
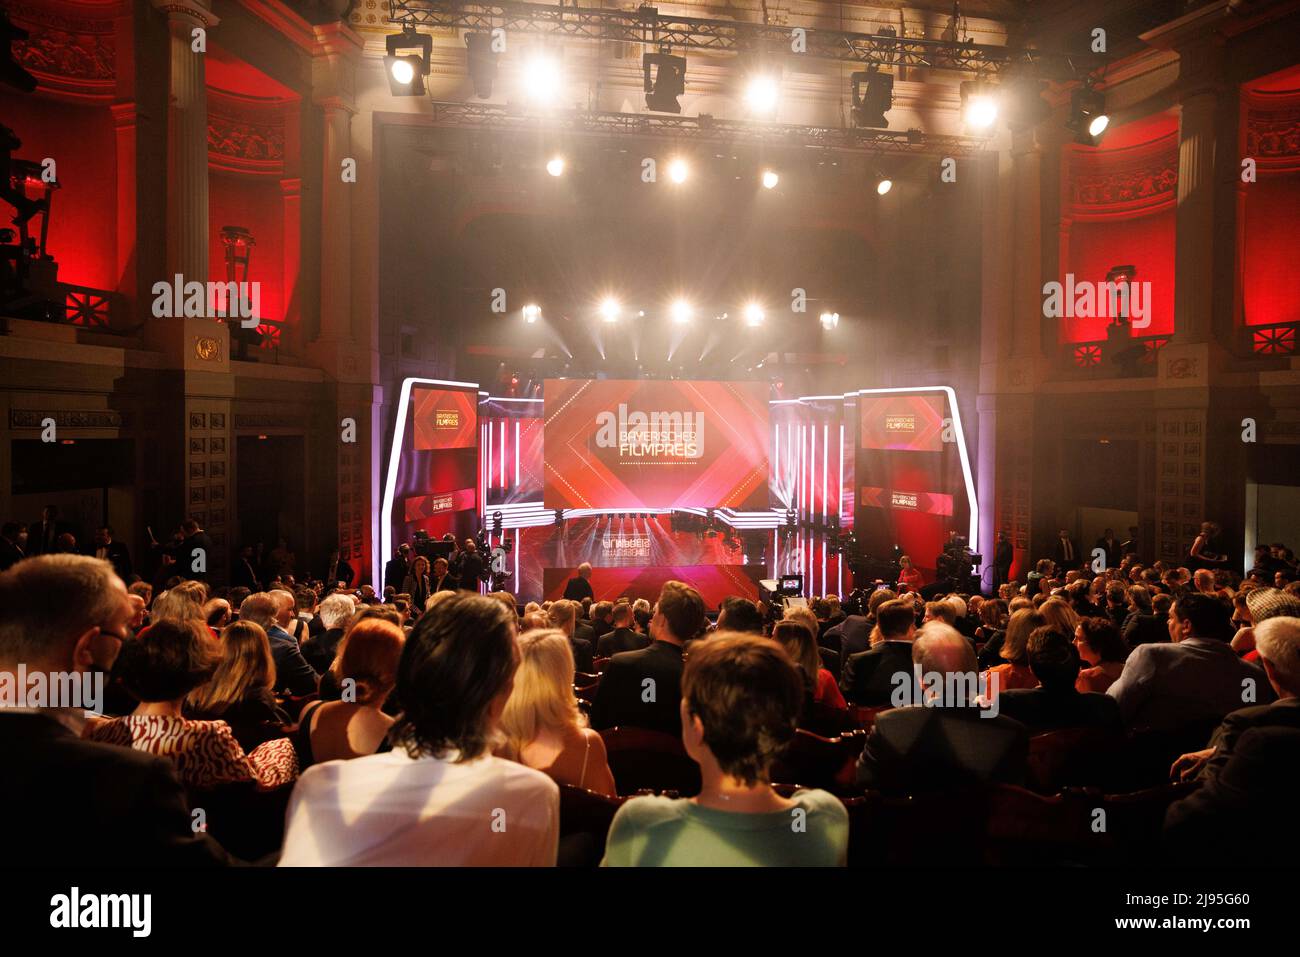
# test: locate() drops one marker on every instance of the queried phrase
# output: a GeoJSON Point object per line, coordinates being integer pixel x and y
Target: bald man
{"type": "Point", "coordinates": [949, 741]}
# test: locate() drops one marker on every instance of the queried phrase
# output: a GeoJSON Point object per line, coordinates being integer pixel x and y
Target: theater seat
{"type": "Point", "coordinates": [814, 761]}
{"type": "Point", "coordinates": [1070, 757]}
{"type": "Point", "coordinates": [585, 817]}
{"type": "Point", "coordinates": [650, 760]}
{"type": "Point", "coordinates": [585, 689]}
{"type": "Point", "coordinates": [827, 721]}
{"type": "Point", "coordinates": [599, 664]}
{"type": "Point", "coordinates": [245, 821]}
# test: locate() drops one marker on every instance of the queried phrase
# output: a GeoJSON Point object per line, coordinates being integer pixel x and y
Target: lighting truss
{"type": "Point", "coordinates": [704, 128]}
{"type": "Point", "coordinates": [646, 25]}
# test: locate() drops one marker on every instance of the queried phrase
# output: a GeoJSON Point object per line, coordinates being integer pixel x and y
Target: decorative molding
{"type": "Point", "coordinates": [245, 140]}
{"type": "Point", "coordinates": [1126, 182]}
{"type": "Point", "coordinates": [66, 419]}
{"type": "Point", "coordinates": [68, 53]}
{"type": "Point", "coordinates": [207, 348]}
{"type": "Point", "coordinates": [1273, 131]}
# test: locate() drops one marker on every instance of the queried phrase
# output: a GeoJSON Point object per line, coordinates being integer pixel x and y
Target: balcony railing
{"type": "Point", "coordinates": [1128, 359]}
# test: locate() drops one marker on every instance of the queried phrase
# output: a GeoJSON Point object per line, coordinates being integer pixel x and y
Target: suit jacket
{"type": "Point", "coordinates": [1174, 686]}
{"type": "Point", "coordinates": [1111, 546]}
{"type": "Point", "coordinates": [117, 555]}
{"type": "Point", "coordinates": [919, 749]}
{"type": "Point", "coordinates": [620, 697]}
{"type": "Point", "coordinates": [10, 554]}
{"type": "Point", "coordinates": [292, 672]}
{"type": "Point", "coordinates": [584, 654]}
{"type": "Point", "coordinates": [447, 582]}
{"type": "Point", "coordinates": [1041, 710]}
{"type": "Point", "coordinates": [869, 676]}
{"type": "Point", "coordinates": [1058, 554]}
{"type": "Point", "coordinates": [1141, 629]}
{"type": "Point", "coordinates": [42, 536]}
{"type": "Point", "coordinates": [584, 631]}
{"type": "Point", "coordinates": [185, 559]}
{"type": "Point", "coordinates": [84, 804]}
{"type": "Point", "coordinates": [579, 588]}
{"type": "Point", "coordinates": [1248, 807]}
{"type": "Point", "coordinates": [620, 640]}
{"type": "Point", "coordinates": [244, 575]}
{"type": "Point", "coordinates": [395, 573]}
{"type": "Point", "coordinates": [854, 633]}
{"type": "Point", "coordinates": [319, 651]}
{"type": "Point", "coordinates": [1003, 555]}
{"type": "Point", "coordinates": [1284, 713]}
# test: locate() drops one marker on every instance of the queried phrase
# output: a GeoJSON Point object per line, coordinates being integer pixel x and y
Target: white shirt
{"type": "Point", "coordinates": [391, 810]}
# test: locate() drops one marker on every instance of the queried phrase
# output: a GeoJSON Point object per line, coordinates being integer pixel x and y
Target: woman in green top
{"type": "Point", "coordinates": [741, 696]}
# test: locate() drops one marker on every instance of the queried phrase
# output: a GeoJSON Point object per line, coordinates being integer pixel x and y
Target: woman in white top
{"type": "Point", "coordinates": [440, 797]}
{"type": "Point", "coordinates": [542, 724]}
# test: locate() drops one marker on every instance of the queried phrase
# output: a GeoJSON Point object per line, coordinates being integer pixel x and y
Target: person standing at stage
{"type": "Point", "coordinates": [442, 579]}
{"type": "Point", "coordinates": [1003, 555]}
{"type": "Point", "coordinates": [396, 568]}
{"type": "Point", "coordinates": [579, 587]}
{"type": "Point", "coordinates": [467, 565]}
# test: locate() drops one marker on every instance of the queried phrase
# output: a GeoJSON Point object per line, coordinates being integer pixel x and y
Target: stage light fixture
{"type": "Point", "coordinates": [532, 312]}
{"type": "Point", "coordinates": [770, 179]}
{"type": "Point", "coordinates": [406, 72]}
{"type": "Point", "coordinates": [762, 94]}
{"type": "Point", "coordinates": [555, 166]}
{"type": "Point", "coordinates": [668, 83]}
{"type": "Point", "coordinates": [542, 78]}
{"type": "Point", "coordinates": [830, 320]}
{"type": "Point", "coordinates": [678, 170]}
{"type": "Point", "coordinates": [884, 184]}
{"type": "Point", "coordinates": [869, 108]}
{"type": "Point", "coordinates": [482, 63]}
{"type": "Point", "coordinates": [1088, 117]}
{"type": "Point", "coordinates": [754, 314]}
{"type": "Point", "coordinates": [681, 312]}
{"type": "Point", "coordinates": [610, 309]}
{"type": "Point", "coordinates": [979, 104]}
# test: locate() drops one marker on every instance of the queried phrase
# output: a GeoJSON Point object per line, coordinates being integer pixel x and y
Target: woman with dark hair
{"type": "Point", "coordinates": [439, 797]}
{"type": "Point", "coordinates": [741, 696]}
{"type": "Point", "coordinates": [160, 671]}
{"type": "Point", "coordinates": [416, 583]}
{"type": "Point", "coordinates": [1103, 652]}
{"type": "Point", "coordinates": [991, 631]}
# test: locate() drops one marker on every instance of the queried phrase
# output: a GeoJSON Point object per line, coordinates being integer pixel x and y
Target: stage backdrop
{"type": "Point", "coordinates": [636, 444]}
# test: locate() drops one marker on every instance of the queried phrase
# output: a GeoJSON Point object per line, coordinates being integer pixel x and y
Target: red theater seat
{"type": "Point", "coordinates": [813, 761]}
{"type": "Point", "coordinates": [650, 760]}
{"type": "Point", "coordinates": [585, 817]}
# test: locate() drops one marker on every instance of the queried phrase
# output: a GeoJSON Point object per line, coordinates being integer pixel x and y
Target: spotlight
{"type": "Point", "coordinates": [678, 170]}
{"type": "Point", "coordinates": [609, 309]}
{"type": "Point", "coordinates": [884, 185]}
{"type": "Point", "coordinates": [406, 72]}
{"type": "Point", "coordinates": [979, 104]}
{"type": "Point", "coordinates": [555, 166]}
{"type": "Point", "coordinates": [869, 110]}
{"type": "Point", "coordinates": [770, 179]}
{"type": "Point", "coordinates": [532, 312]}
{"type": "Point", "coordinates": [669, 81]}
{"type": "Point", "coordinates": [830, 320]}
{"type": "Point", "coordinates": [542, 78]}
{"type": "Point", "coordinates": [482, 63]}
{"type": "Point", "coordinates": [753, 314]}
{"type": "Point", "coordinates": [762, 94]}
{"type": "Point", "coordinates": [681, 312]}
{"type": "Point", "coordinates": [1088, 118]}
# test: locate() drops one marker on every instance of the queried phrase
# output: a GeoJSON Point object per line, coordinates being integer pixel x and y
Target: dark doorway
{"type": "Point", "coordinates": [270, 492]}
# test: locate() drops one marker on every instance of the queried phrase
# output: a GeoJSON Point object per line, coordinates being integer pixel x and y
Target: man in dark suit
{"type": "Point", "coordinates": [579, 587]}
{"type": "Point", "coordinates": [338, 570]}
{"type": "Point", "coordinates": [948, 742]}
{"type": "Point", "coordinates": [293, 674]}
{"type": "Point", "coordinates": [1130, 545]}
{"type": "Point", "coordinates": [1055, 704]}
{"type": "Point", "coordinates": [442, 579]}
{"type": "Point", "coordinates": [395, 568]}
{"type": "Point", "coordinates": [13, 544]}
{"type": "Point", "coordinates": [196, 544]}
{"type": "Point", "coordinates": [623, 637]}
{"type": "Point", "coordinates": [869, 676]}
{"type": "Point", "coordinates": [1065, 553]}
{"type": "Point", "coordinates": [643, 688]}
{"type": "Point", "coordinates": [467, 565]}
{"type": "Point", "coordinates": [855, 630]}
{"type": "Point", "coordinates": [243, 574]}
{"type": "Point", "coordinates": [1111, 546]}
{"type": "Point", "coordinates": [1193, 680]}
{"type": "Point", "coordinates": [44, 535]}
{"type": "Point", "coordinates": [602, 618]}
{"type": "Point", "coordinates": [69, 614]}
{"type": "Point", "coordinates": [1003, 555]}
{"type": "Point", "coordinates": [113, 552]}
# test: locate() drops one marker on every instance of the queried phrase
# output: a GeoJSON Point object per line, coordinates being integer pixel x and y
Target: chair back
{"type": "Point", "coordinates": [650, 760]}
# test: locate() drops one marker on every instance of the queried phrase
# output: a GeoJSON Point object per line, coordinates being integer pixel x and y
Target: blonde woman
{"type": "Point", "coordinates": [541, 723]}
{"type": "Point", "coordinates": [240, 690]}
{"type": "Point", "coordinates": [563, 617]}
{"type": "Point", "coordinates": [819, 684]}
{"type": "Point", "coordinates": [1015, 672]}
{"type": "Point", "coordinates": [1059, 616]}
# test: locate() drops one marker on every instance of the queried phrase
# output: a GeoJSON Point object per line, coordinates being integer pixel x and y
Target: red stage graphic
{"type": "Point", "coordinates": [928, 503]}
{"type": "Point", "coordinates": [714, 582]}
{"type": "Point", "coordinates": [633, 444]}
{"type": "Point", "coordinates": [912, 423]}
{"type": "Point", "coordinates": [444, 419]}
{"type": "Point", "coordinates": [426, 506]}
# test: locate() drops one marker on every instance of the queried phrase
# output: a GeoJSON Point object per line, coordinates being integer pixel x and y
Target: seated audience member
{"type": "Point", "coordinates": [741, 696]}
{"type": "Point", "coordinates": [304, 613]}
{"type": "Point", "coordinates": [621, 698]}
{"type": "Point", "coordinates": [564, 617]}
{"type": "Point", "coordinates": [948, 741]}
{"type": "Point", "coordinates": [602, 618]}
{"type": "Point", "coordinates": [542, 725]}
{"type": "Point", "coordinates": [801, 646]}
{"type": "Point", "coordinates": [1059, 616]}
{"type": "Point", "coordinates": [365, 672]}
{"type": "Point", "coordinates": [320, 650]}
{"type": "Point", "coordinates": [740, 615]}
{"type": "Point", "coordinates": [1261, 605]}
{"type": "Point", "coordinates": [67, 615]}
{"type": "Point", "coordinates": [239, 692]}
{"type": "Point", "coordinates": [870, 677]}
{"type": "Point", "coordinates": [433, 799]}
{"type": "Point", "coordinates": [183, 603]}
{"type": "Point", "coordinates": [1144, 624]}
{"type": "Point", "coordinates": [1055, 703]}
{"type": "Point", "coordinates": [160, 670]}
{"type": "Point", "coordinates": [236, 598]}
{"type": "Point", "coordinates": [293, 674]}
{"type": "Point", "coordinates": [1014, 672]}
{"type": "Point", "coordinates": [217, 613]}
{"type": "Point", "coordinates": [1251, 771]}
{"type": "Point", "coordinates": [642, 614]}
{"type": "Point", "coordinates": [836, 610]}
{"type": "Point", "coordinates": [582, 627]}
{"type": "Point", "coordinates": [854, 632]}
{"type": "Point", "coordinates": [942, 611]}
{"type": "Point", "coordinates": [624, 637]}
{"type": "Point", "coordinates": [1102, 651]}
{"type": "Point", "coordinates": [991, 631]}
{"type": "Point", "coordinates": [1194, 679]}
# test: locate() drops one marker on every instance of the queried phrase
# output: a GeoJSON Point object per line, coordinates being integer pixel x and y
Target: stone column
{"type": "Point", "coordinates": [1194, 264]}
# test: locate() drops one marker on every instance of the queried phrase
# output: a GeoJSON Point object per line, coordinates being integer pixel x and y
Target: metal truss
{"type": "Point", "coordinates": [705, 128]}
{"type": "Point", "coordinates": [646, 25]}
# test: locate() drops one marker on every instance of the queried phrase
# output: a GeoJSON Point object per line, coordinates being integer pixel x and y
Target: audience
{"type": "Point", "coordinates": [1056, 703]}
{"type": "Point", "coordinates": [623, 637]}
{"type": "Point", "coordinates": [542, 725]}
{"type": "Point", "coordinates": [801, 645]}
{"type": "Point", "coordinates": [563, 617]}
{"type": "Point", "coordinates": [871, 677]}
{"type": "Point", "coordinates": [740, 700]}
{"type": "Point", "coordinates": [1014, 672]}
{"type": "Point", "coordinates": [320, 650]}
{"type": "Point", "coordinates": [293, 674]}
{"type": "Point", "coordinates": [240, 690]}
{"type": "Point", "coordinates": [1103, 652]}
{"type": "Point", "coordinates": [439, 797]}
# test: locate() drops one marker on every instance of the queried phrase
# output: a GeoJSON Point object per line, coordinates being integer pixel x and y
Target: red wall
{"type": "Point", "coordinates": [1145, 241]}
{"type": "Point", "coordinates": [255, 203]}
{"type": "Point", "coordinates": [1271, 254]}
